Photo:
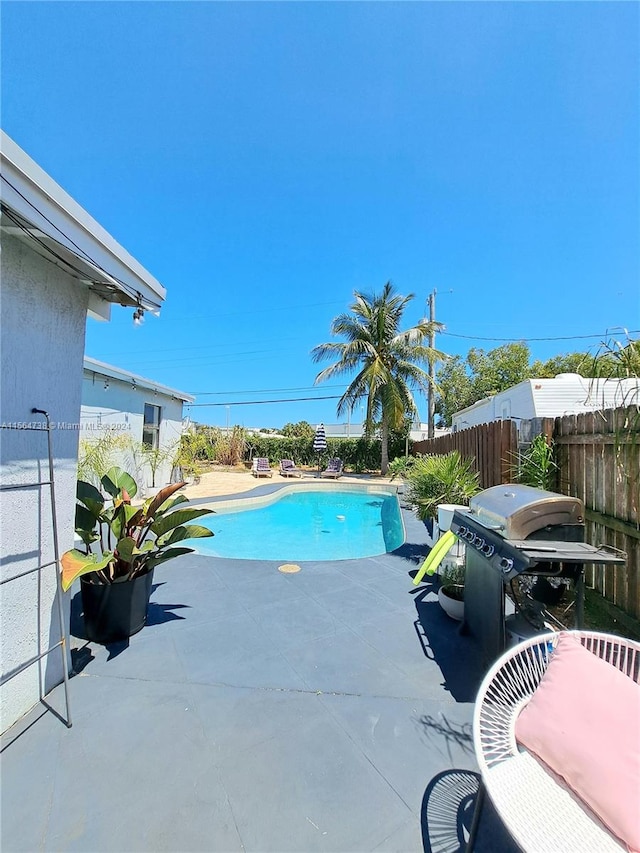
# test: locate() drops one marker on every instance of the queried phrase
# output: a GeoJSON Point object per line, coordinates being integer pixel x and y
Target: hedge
{"type": "Point", "coordinates": [358, 454]}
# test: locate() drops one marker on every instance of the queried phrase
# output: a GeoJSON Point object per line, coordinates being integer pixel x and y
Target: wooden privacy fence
{"type": "Point", "coordinates": [492, 446]}
{"type": "Point", "coordinates": [598, 454]}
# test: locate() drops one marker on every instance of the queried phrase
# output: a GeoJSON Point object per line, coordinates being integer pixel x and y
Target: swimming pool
{"type": "Point", "coordinates": [305, 524]}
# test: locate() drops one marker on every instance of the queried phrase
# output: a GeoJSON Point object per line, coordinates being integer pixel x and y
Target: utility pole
{"type": "Point", "coordinates": [432, 368]}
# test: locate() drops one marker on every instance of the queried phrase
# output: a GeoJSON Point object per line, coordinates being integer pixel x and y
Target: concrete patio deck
{"type": "Point", "coordinates": [327, 710]}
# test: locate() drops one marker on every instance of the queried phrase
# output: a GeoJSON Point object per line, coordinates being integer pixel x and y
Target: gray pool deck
{"type": "Point", "coordinates": [328, 710]}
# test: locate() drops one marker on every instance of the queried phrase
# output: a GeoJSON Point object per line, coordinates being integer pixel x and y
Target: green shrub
{"type": "Point", "coordinates": [230, 447]}
{"type": "Point", "coordinates": [97, 456]}
{"type": "Point", "coordinates": [358, 454]}
{"type": "Point", "coordinates": [446, 479]}
{"type": "Point", "coordinates": [400, 466]}
{"type": "Point", "coordinates": [536, 465]}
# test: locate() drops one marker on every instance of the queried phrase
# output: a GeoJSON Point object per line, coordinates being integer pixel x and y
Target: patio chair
{"type": "Point", "coordinates": [538, 807]}
{"type": "Point", "coordinates": [288, 468]}
{"type": "Point", "coordinates": [333, 469]}
{"type": "Point", "coordinates": [261, 467]}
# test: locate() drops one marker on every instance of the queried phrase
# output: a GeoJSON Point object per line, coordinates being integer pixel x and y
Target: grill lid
{"type": "Point", "coordinates": [516, 511]}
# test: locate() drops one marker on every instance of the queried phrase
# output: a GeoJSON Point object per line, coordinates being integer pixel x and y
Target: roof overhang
{"type": "Point", "coordinates": [100, 368]}
{"type": "Point", "coordinates": [38, 211]}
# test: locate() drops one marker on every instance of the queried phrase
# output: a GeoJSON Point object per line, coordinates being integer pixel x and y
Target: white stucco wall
{"type": "Point", "coordinates": [120, 407]}
{"type": "Point", "coordinates": [42, 327]}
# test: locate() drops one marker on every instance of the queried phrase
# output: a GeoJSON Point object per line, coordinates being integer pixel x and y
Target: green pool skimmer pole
{"type": "Point", "coordinates": [436, 556]}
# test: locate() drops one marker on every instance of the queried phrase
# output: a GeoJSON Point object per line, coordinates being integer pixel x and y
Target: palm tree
{"type": "Point", "coordinates": [387, 360]}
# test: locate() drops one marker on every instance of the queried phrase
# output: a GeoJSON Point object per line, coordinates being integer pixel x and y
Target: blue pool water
{"type": "Point", "coordinates": [307, 525]}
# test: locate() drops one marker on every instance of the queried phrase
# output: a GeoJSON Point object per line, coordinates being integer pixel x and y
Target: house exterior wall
{"type": "Point", "coordinates": [42, 325]}
{"type": "Point", "coordinates": [120, 408]}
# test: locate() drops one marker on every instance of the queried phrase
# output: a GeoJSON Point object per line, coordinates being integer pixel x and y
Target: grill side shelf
{"type": "Point", "coordinates": [567, 552]}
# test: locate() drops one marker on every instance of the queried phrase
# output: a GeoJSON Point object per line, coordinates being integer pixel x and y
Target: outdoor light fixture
{"type": "Point", "coordinates": [106, 384]}
{"type": "Point", "coordinates": [138, 317]}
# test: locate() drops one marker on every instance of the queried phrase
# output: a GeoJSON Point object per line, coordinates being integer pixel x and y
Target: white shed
{"type": "Point", "coordinates": [565, 394]}
{"type": "Point", "coordinates": [58, 265]}
{"type": "Point", "coordinates": [148, 414]}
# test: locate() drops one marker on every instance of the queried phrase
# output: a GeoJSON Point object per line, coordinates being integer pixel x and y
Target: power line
{"type": "Point", "coordinates": [261, 402]}
{"type": "Point", "coordinates": [528, 340]}
{"type": "Point", "coordinates": [197, 359]}
{"type": "Point", "coordinates": [258, 391]}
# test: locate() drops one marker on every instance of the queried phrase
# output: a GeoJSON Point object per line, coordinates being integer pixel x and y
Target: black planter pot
{"type": "Point", "coordinates": [114, 611]}
{"type": "Point", "coordinates": [545, 593]}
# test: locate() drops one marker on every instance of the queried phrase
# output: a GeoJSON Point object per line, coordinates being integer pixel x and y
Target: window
{"type": "Point", "coordinates": [151, 426]}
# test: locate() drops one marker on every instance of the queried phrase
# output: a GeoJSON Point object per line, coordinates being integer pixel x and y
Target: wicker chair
{"type": "Point", "coordinates": [539, 810]}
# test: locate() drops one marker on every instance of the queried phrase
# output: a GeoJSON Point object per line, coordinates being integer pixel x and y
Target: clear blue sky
{"type": "Point", "coordinates": [264, 160]}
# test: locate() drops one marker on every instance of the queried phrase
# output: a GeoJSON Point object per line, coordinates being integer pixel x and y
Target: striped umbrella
{"type": "Point", "coordinates": [319, 442]}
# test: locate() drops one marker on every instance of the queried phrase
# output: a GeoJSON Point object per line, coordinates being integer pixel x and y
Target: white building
{"type": "Point", "coordinates": [419, 431]}
{"type": "Point", "coordinates": [144, 413]}
{"type": "Point", "coordinates": [565, 394]}
{"type": "Point", "coordinates": [347, 430]}
{"type": "Point", "coordinates": [58, 265]}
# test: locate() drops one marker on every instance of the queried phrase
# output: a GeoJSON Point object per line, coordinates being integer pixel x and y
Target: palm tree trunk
{"type": "Point", "coordinates": [384, 434]}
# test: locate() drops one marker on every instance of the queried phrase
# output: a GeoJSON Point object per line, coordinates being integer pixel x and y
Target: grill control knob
{"type": "Point", "coordinates": [488, 549]}
{"type": "Point", "coordinates": [506, 564]}
{"type": "Point", "coordinates": [462, 532]}
{"type": "Point", "coordinates": [469, 535]}
{"type": "Point", "coordinates": [478, 542]}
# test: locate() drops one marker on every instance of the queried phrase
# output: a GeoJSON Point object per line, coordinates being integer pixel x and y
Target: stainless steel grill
{"type": "Point", "coordinates": [510, 530]}
{"type": "Point", "coordinates": [517, 512]}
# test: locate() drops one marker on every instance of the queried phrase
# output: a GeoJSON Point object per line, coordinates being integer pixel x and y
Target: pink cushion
{"type": "Point", "coordinates": [583, 721]}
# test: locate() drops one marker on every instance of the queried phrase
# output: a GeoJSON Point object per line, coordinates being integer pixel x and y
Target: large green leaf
{"type": "Point", "coordinates": [90, 497]}
{"type": "Point", "coordinates": [176, 518]}
{"type": "Point", "coordinates": [75, 563]}
{"type": "Point", "coordinates": [188, 531]}
{"type": "Point", "coordinates": [117, 480]}
{"type": "Point", "coordinates": [88, 536]}
{"type": "Point", "coordinates": [168, 555]}
{"type": "Point", "coordinates": [170, 504]}
{"type": "Point", "coordinates": [85, 520]}
{"type": "Point", "coordinates": [156, 502]}
{"type": "Point", "coordinates": [126, 549]}
{"type": "Point", "coordinates": [118, 521]}
{"type": "Point", "coordinates": [135, 517]}
{"type": "Point", "coordinates": [123, 516]}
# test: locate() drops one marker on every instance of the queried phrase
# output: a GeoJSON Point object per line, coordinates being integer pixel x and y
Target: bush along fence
{"type": "Point", "coordinates": [358, 454]}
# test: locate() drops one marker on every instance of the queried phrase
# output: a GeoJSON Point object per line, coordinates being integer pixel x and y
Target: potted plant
{"type": "Point", "coordinates": [447, 480]}
{"type": "Point", "coordinates": [451, 591]}
{"type": "Point", "coordinates": [123, 544]}
{"type": "Point", "coordinates": [444, 479]}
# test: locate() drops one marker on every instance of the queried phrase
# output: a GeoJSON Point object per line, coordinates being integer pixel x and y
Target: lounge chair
{"type": "Point", "coordinates": [333, 469]}
{"type": "Point", "coordinates": [261, 467]}
{"type": "Point", "coordinates": [288, 468]}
